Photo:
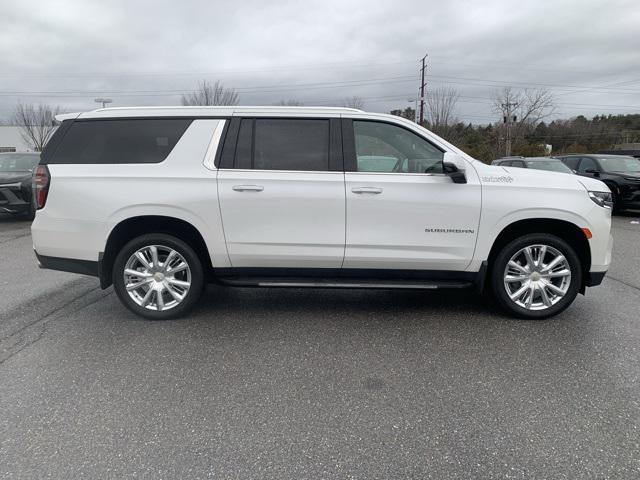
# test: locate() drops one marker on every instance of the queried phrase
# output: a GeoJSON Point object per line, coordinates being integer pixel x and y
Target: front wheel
{"type": "Point", "coordinates": [158, 276]}
{"type": "Point", "coordinates": [536, 276]}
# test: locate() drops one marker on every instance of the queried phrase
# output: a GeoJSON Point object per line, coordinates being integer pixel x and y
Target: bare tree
{"type": "Point", "coordinates": [353, 102]}
{"type": "Point", "coordinates": [290, 103]}
{"type": "Point", "coordinates": [211, 94]}
{"type": "Point", "coordinates": [36, 122]}
{"type": "Point", "coordinates": [442, 105]}
{"type": "Point", "coordinates": [522, 111]}
{"type": "Point", "coordinates": [530, 106]}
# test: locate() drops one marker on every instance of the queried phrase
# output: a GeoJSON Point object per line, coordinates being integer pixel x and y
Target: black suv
{"type": "Point", "coordinates": [16, 171]}
{"type": "Point", "coordinates": [621, 173]}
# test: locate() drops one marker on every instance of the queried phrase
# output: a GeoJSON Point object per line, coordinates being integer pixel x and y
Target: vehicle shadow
{"type": "Point", "coordinates": [367, 305]}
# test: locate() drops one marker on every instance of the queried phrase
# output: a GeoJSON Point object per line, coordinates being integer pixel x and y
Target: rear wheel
{"type": "Point", "coordinates": [158, 276]}
{"type": "Point", "coordinates": [536, 276]}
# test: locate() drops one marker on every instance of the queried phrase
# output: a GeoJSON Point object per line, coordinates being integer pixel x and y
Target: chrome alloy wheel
{"type": "Point", "coordinates": [537, 277]}
{"type": "Point", "coordinates": [157, 277]}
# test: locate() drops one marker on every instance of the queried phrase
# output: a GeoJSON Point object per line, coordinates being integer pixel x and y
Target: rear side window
{"type": "Point", "coordinates": [291, 144]}
{"type": "Point", "coordinates": [119, 141]}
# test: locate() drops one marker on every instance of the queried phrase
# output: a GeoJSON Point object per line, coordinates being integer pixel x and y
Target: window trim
{"type": "Point", "coordinates": [227, 160]}
{"type": "Point", "coordinates": [349, 148]}
{"type": "Point", "coordinates": [211, 156]}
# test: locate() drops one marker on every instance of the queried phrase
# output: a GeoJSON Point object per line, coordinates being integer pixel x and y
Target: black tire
{"type": "Point", "coordinates": [500, 264]}
{"type": "Point", "coordinates": [189, 255]}
{"type": "Point", "coordinates": [615, 199]}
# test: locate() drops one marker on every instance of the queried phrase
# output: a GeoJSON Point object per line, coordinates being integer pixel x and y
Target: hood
{"type": "Point", "coordinates": [593, 184]}
{"type": "Point", "coordinates": [634, 175]}
{"type": "Point", "coordinates": [13, 177]}
{"type": "Point", "coordinates": [542, 178]}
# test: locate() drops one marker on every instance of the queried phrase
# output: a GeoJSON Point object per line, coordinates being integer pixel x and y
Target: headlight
{"type": "Point", "coordinates": [604, 199]}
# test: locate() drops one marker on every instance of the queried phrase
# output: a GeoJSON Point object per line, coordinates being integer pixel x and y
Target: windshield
{"type": "Point", "coordinates": [18, 163]}
{"type": "Point", "coordinates": [552, 165]}
{"type": "Point", "coordinates": [619, 164]}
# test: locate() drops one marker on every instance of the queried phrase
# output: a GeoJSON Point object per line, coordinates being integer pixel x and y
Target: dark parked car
{"type": "Point", "coordinates": [621, 173]}
{"type": "Point", "coordinates": [15, 183]}
{"type": "Point", "coordinates": [536, 163]}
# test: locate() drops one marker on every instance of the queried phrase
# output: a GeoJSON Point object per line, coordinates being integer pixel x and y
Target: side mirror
{"type": "Point", "coordinates": [456, 175]}
{"type": "Point", "coordinates": [593, 171]}
{"type": "Point", "coordinates": [454, 166]}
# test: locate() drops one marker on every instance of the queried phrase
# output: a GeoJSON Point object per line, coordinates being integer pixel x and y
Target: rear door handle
{"type": "Point", "coordinates": [248, 188]}
{"type": "Point", "coordinates": [373, 190]}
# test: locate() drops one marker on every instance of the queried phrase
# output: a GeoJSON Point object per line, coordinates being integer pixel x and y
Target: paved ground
{"type": "Point", "coordinates": [314, 383]}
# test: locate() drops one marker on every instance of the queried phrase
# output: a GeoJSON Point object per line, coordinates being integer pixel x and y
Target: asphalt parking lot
{"type": "Point", "coordinates": [315, 383]}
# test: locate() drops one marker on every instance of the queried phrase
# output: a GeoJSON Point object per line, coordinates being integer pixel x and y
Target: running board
{"type": "Point", "coordinates": [344, 283]}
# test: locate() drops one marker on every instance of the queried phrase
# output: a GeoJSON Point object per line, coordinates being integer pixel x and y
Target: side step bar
{"type": "Point", "coordinates": [344, 283]}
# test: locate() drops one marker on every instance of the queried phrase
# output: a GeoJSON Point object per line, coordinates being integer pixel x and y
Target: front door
{"type": "Point", "coordinates": [403, 212]}
{"type": "Point", "coordinates": [283, 202]}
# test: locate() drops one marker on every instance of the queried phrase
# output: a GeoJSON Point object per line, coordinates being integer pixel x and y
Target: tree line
{"type": "Point", "coordinates": [522, 126]}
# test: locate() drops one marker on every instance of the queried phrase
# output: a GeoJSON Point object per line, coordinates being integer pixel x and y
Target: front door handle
{"type": "Point", "coordinates": [373, 190]}
{"type": "Point", "coordinates": [248, 188]}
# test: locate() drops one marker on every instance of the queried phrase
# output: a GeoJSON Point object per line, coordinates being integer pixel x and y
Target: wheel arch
{"type": "Point", "coordinates": [133, 227]}
{"type": "Point", "coordinates": [563, 229]}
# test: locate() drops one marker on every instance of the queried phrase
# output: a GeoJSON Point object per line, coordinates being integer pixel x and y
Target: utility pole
{"type": "Point", "coordinates": [508, 120]}
{"type": "Point", "coordinates": [424, 66]}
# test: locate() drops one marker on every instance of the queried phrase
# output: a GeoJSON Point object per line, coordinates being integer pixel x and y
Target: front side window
{"type": "Point", "coordinates": [587, 163]}
{"type": "Point", "coordinates": [571, 162]}
{"type": "Point", "coordinates": [119, 141]}
{"type": "Point", "coordinates": [291, 144]}
{"type": "Point", "coordinates": [383, 147]}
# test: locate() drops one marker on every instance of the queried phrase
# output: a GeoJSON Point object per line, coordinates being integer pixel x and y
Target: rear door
{"type": "Point", "coordinates": [403, 212]}
{"type": "Point", "coordinates": [281, 193]}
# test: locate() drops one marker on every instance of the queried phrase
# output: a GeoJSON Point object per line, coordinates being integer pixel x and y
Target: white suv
{"type": "Point", "coordinates": [160, 201]}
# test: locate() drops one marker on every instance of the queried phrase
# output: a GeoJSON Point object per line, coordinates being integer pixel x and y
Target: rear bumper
{"type": "Point", "coordinates": [72, 265]}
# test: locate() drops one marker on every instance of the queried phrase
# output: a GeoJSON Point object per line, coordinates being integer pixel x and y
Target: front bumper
{"type": "Point", "coordinates": [629, 196]}
{"type": "Point", "coordinates": [14, 198]}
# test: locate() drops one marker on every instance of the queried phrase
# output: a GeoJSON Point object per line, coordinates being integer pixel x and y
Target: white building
{"type": "Point", "coordinates": [11, 140]}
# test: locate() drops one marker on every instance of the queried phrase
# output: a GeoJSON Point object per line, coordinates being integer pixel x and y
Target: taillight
{"type": "Point", "coordinates": [41, 180]}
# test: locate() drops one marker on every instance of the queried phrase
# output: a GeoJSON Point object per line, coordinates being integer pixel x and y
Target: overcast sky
{"type": "Point", "coordinates": [67, 53]}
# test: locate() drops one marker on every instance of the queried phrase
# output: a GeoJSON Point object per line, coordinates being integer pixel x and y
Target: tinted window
{"type": "Point", "coordinates": [587, 163]}
{"type": "Point", "coordinates": [120, 141]}
{"type": "Point", "coordinates": [571, 162]}
{"type": "Point", "coordinates": [505, 163]}
{"type": "Point", "coordinates": [285, 144]}
{"type": "Point", "coordinates": [382, 147]}
{"type": "Point", "coordinates": [518, 163]}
